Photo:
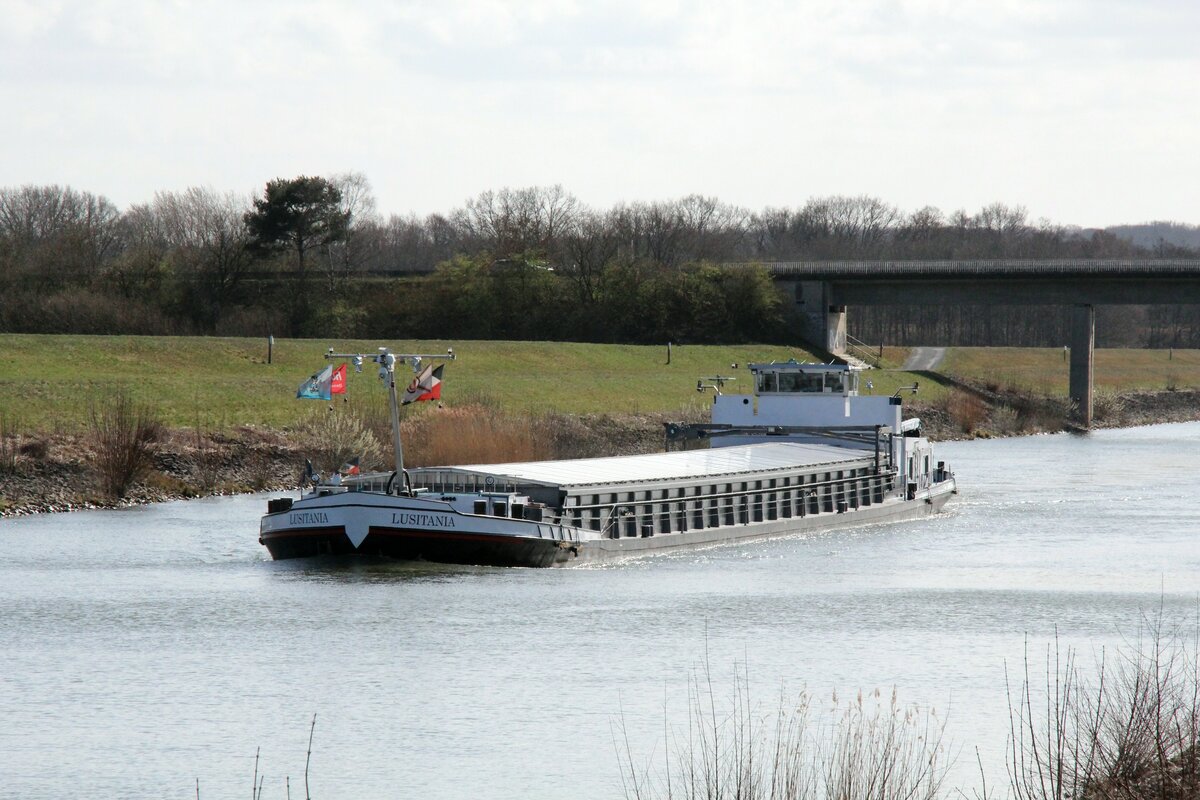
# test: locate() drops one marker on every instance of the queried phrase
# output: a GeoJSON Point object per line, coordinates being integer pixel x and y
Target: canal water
{"type": "Point", "coordinates": [143, 650]}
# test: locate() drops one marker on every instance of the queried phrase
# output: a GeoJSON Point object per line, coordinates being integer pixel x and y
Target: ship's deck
{"type": "Point", "coordinates": [717, 461]}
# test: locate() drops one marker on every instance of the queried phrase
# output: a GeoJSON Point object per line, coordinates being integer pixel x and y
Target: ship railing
{"type": "Point", "coordinates": [757, 504]}
{"type": "Point", "coordinates": [866, 435]}
{"type": "Point", "coordinates": [377, 482]}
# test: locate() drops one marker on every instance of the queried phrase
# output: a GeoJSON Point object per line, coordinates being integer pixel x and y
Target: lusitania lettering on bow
{"type": "Point", "coordinates": [422, 520]}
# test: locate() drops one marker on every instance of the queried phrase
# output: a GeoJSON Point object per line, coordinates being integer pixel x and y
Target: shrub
{"type": "Point", "coordinates": [1107, 406]}
{"type": "Point", "coordinates": [1006, 421]}
{"type": "Point", "coordinates": [9, 448]}
{"type": "Point", "coordinates": [966, 410]}
{"type": "Point", "coordinates": [332, 436]}
{"type": "Point", "coordinates": [123, 436]}
{"type": "Point", "coordinates": [1133, 731]}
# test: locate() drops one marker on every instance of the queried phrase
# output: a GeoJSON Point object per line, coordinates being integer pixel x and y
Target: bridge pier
{"type": "Point", "coordinates": [1083, 345]}
{"type": "Point", "coordinates": [821, 319]}
{"type": "Point", "coordinates": [835, 329]}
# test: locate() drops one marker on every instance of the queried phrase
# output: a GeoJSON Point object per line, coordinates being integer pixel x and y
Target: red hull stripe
{"type": "Point", "coordinates": [402, 533]}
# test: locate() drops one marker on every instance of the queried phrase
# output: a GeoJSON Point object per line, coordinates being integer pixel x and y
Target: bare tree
{"type": "Point", "coordinates": [200, 233]}
{"type": "Point", "coordinates": [364, 239]}
{"type": "Point", "coordinates": [586, 250]}
{"type": "Point", "coordinates": [55, 235]}
{"type": "Point", "coordinates": [513, 222]}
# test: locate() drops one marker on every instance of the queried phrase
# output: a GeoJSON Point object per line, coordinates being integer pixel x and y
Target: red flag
{"type": "Point", "coordinates": [338, 386]}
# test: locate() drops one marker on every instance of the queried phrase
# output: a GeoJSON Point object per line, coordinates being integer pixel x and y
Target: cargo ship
{"type": "Point", "coordinates": [805, 452]}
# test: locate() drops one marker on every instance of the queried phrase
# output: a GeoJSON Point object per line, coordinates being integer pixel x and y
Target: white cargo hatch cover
{"type": "Point", "coordinates": [665, 466]}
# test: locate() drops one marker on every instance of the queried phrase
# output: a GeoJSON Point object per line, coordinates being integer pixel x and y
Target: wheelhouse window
{"type": "Point", "coordinates": [816, 381]}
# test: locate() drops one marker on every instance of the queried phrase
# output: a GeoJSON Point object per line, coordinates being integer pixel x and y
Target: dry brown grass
{"type": "Point", "coordinates": [475, 434]}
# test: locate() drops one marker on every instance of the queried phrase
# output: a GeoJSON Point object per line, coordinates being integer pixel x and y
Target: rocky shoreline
{"type": "Point", "coordinates": [53, 472]}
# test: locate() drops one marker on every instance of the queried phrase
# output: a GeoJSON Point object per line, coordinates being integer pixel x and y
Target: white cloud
{"type": "Point", "coordinates": [1084, 112]}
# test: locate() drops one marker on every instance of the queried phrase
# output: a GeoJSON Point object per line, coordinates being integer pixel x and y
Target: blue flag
{"type": "Point", "coordinates": [318, 387]}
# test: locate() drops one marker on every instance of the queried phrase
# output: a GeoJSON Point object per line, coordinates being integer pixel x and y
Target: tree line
{"type": "Point", "coordinates": [313, 256]}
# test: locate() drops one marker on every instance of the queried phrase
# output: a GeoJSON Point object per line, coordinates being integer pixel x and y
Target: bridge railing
{"type": "Point", "coordinates": [1001, 266]}
{"type": "Point", "coordinates": [864, 352]}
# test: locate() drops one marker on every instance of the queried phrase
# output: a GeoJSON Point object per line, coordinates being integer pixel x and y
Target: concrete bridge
{"type": "Point", "coordinates": [823, 290]}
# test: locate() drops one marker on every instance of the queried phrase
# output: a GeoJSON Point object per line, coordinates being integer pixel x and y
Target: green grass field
{"type": "Point", "coordinates": [48, 382]}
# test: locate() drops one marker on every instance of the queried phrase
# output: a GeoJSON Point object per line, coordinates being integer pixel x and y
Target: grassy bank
{"type": "Point", "coordinates": [227, 421]}
{"type": "Point", "coordinates": [46, 382]}
{"type": "Point", "coordinates": [1044, 370]}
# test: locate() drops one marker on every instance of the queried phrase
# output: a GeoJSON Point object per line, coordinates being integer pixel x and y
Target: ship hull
{"type": "Point", "coordinates": [419, 545]}
{"type": "Point", "coordinates": [342, 525]}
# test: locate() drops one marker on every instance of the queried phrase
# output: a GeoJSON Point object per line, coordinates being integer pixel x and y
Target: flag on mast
{"type": "Point", "coordinates": [426, 386]}
{"type": "Point", "coordinates": [338, 384]}
{"type": "Point", "coordinates": [317, 387]}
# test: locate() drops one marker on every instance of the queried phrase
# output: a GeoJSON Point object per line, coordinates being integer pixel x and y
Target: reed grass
{"type": "Point", "coordinates": [1126, 729]}
{"type": "Point", "coordinates": [476, 434]}
{"type": "Point", "coordinates": [870, 748]}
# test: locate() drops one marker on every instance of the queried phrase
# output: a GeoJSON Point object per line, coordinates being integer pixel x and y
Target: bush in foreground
{"type": "Point", "coordinates": [123, 435]}
{"type": "Point", "coordinates": [1129, 729]}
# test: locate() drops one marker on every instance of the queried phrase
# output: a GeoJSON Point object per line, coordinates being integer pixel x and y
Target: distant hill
{"type": "Point", "coordinates": [1150, 234]}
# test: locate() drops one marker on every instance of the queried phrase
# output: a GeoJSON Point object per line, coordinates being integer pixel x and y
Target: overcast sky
{"type": "Point", "coordinates": [1085, 112]}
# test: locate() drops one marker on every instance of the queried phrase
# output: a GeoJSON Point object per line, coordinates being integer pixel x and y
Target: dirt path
{"type": "Point", "coordinates": [922, 359]}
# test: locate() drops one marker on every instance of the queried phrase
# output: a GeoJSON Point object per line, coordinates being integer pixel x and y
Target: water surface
{"type": "Point", "coordinates": [143, 649]}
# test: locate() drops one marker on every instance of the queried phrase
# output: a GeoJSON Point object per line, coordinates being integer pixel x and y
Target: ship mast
{"type": "Point", "coordinates": [387, 361]}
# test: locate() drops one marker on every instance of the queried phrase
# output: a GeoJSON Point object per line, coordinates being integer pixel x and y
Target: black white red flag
{"type": "Point", "coordinates": [426, 386]}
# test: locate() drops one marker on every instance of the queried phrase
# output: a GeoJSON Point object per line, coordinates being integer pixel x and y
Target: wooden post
{"type": "Point", "coordinates": [270, 348]}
